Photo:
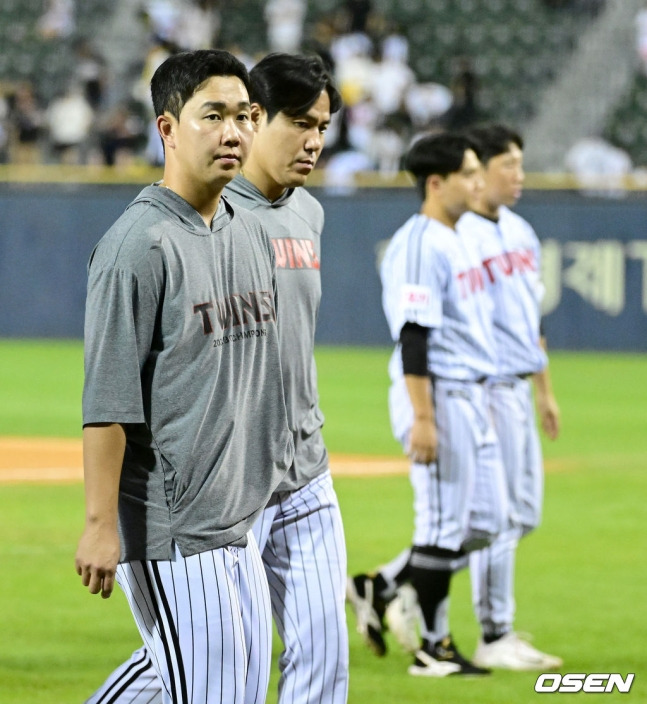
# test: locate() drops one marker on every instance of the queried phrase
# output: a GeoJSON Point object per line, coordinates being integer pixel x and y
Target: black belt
{"type": "Point", "coordinates": [479, 380]}
{"type": "Point", "coordinates": [510, 381]}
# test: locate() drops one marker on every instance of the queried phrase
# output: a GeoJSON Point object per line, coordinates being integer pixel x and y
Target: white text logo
{"type": "Point", "coordinates": [553, 682]}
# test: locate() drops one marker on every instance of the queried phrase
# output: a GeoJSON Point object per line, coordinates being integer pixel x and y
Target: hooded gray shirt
{"type": "Point", "coordinates": [182, 349]}
{"type": "Point", "coordinates": [295, 222]}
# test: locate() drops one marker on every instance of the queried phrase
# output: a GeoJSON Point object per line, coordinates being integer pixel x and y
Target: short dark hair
{"type": "Point", "coordinates": [439, 153]}
{"type": "Point", "coordinates": [494, 139]}
{"type": "Point", "coordinates": [181, 76]}
{"type": "Point", "coordinates": [291, 83]}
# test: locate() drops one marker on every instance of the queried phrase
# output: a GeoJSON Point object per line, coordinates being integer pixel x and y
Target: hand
{"type": "Point", "coordinates": [423, 443]}
{"type": "Point", "coordinates": [96, 559]}
{"type": "Point", "coordinates": [549, 416]}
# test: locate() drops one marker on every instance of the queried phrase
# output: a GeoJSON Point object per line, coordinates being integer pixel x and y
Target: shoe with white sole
{"type": "Point", "coordinates": [514, 652]}
{"type": "Point", "coordinates": [402, 617]}
{"type": "Point", "coordinates": [369, 611]}
{"type": "Point", "coordinates": [443, 660]}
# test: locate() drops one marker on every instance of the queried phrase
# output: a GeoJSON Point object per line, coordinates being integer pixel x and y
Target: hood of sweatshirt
{"type": "Point", "coordinates": [189, 218]}
{"type": "Point", "coordinates": [246, 188]}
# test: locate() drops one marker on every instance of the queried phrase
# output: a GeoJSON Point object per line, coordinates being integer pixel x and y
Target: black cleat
{"type": "Point", "coordinates": [442, 660]}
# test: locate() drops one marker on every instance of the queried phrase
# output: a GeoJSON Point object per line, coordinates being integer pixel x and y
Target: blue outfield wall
{"type": "Point", "coordinates": [594, 261]}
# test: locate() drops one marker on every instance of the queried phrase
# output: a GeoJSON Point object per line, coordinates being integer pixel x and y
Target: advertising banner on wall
{"type": "Point", "coordinates": [594, 266]}
{"type": "Point", "coordinates": [594, 261]}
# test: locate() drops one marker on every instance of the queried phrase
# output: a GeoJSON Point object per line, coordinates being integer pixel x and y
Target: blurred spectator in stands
{"type": "Point", "coordinates": [641, 37]}
{"type": "Point", "coordinates": [390, 76]}
{"type": "Point", "coordinates": [26, 122]}
{"type": "Point", "coordinates": [69, 121]}
{"type": "Point", "coordinates": [162, 17]}
{"type": "Point", "coordinates": [359, 12]}
{"type": "Point", "coordinates": [319, 42]}
{"type": "Point", "coordinates": [158, 52]}
{"type": "Point", "coordinates": [198, 25]}
{"type": "Point", "coordinates": [390, 79]}
{"type": "Point", "coordinates": [389, 142]}
{"type": "Point", "coordinates": [4, 127]}
{"type": "Point", "coordinates": [347, 154]}
{"type": "Point", "coordinates": [90, 72]}
{"type": "Point", "coordinates": [340, 170]}
{"type": "Point", "coordinates": [362, 120]}
{"type": "Point", "coordinates": [352, 54]}
{"type": "Point", "coordinates": [57, 21]}
{"type": "Point", "coordinates": [186, 24]}
{"type": "Point", "coordinates": [284, 20]}
{"type": "Point", "coordinates": [465, 109]}
{"type": "Point", "coordinates": [426, 102]}
{"type": "Point", "coordinates": [121, 134]}
{"type": "Point", "coordinates": [599, 167]}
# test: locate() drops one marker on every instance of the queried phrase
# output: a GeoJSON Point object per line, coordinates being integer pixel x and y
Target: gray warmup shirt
{"type": "Point", "coordinates": [182, 348]}
{"type": "Point", "coordinates": [295, 222]}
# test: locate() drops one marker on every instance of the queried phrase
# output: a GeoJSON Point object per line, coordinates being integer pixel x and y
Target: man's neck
{"type": "Point", "coordinates": [491, 211]}
{"type": "Point", "coordinates": [265, 184]}
{"type": "Point", "coordinates": [204, 198]}
{"type": "Point", "coordinates": [437, 212]}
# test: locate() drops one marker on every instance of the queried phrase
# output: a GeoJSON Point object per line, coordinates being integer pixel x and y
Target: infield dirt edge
{"type": "Point", "coordinates": [47, 460]}
{"type": "Point", "coordinates": [61, 460]}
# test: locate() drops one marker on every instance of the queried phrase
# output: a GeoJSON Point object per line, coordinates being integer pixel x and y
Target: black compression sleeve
{"type": "Point", "coordinates": [413, 340]}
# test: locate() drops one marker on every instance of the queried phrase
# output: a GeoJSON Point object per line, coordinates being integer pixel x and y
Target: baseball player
{"type": "Point", "coordinates": [300, 532]}
{"type": "Point", "coordinates": [440, 316]}
{"type": "Point", "coordinates": [186, 433]}
{"type": "Point", "coordinates": [510, 257]}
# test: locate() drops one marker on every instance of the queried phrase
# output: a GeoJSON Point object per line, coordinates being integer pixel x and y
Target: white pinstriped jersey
{"type": "Point", "coordinates": [431, 278]}
{"type": "Point", "coordinates": [510, 255]}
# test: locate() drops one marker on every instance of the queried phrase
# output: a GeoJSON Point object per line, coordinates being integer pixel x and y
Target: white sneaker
{"type": "Point", "coordinates": [403, 618]}
{"type": "Point", "coordinates": [512, 652]}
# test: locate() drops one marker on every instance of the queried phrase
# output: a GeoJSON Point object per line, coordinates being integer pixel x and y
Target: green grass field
{"type": "Point", "coordinates": [581, 578]}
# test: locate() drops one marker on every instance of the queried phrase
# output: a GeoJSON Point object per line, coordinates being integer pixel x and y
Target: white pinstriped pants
{"type": "Point", "coordinates": [492, 570]}
{"type": "Point", "coordinates": [205, 645]}
{"type": "Point", "coordinates": [304, 556]}
{"type": "Point", "coordinates": [460, 500]}
{"type": "Point", "coordinates": [304, 553]}
{"type": "Point", "coordinates": [512, 407]}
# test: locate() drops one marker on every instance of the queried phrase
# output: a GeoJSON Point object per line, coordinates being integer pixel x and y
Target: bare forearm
{"type": "Point", "coordinates": [422, 438]}
{"type": "Point", "coordinates": [103, 455]}
{"type": "Point", "coordinates": [546, 403]}
{"type": "Point", "coordinates": [543, 384]}
{"type": "Point", "coordinates": [98, 551]}
{"type": "Point", "coordinates": [542, 380]}
{"type": "Point", "coordinates": [420, 394]}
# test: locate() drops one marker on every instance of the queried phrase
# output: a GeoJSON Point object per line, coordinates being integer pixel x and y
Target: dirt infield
{"type": "Point", "coordinates": [40, 460]}
{"type": "Point", "coordinates": [47, 460]}
{"type": "Point", "coordinates": [57, 460]}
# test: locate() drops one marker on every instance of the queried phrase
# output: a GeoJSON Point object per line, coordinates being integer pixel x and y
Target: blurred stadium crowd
{"type": "Point", "coordinates": [74, 73]}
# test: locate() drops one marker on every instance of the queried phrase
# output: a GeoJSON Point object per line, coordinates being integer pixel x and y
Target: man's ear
{"type": "Point", "coordinates": [433, 182]}
{"type": "Point", "coordinates": [258, 114]}
{"type": "Point", "coordinates": [166, 129]}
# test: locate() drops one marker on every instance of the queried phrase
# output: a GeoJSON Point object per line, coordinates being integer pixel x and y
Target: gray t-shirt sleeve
{"type": "Point", "coordinates": [121, 310]}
